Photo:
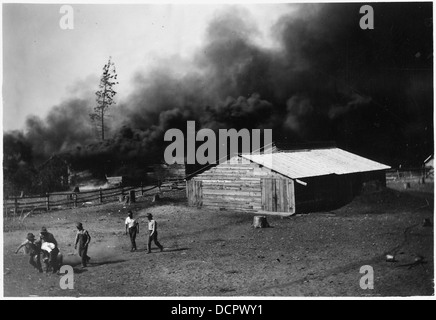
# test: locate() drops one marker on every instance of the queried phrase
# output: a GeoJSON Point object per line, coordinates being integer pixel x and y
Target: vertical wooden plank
{"type": "Point", "coordinates": [200, 193]}
{"type": "Point", "coordinates": [47, 201]}
{"type": "Point", "coordinates": [277, 195]}
{"type": "Point", "coordinates": [261, 194]}
{"type": "Point", "coordinates": [267, 193]}
{"type": "Point", "coordinates": [273, 196]}
{"type": "Point", "coordinates": [196, 193]}
{"type": "Point", "coordinates": [291, 193]}
{"type": "Point", "coordinates": [285, 196]}
{"type": "Point", "coordinates": [192, 191]}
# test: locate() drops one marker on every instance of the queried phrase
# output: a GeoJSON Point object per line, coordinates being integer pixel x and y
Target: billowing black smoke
{"type": "Point", "coordinates": [368, 90]}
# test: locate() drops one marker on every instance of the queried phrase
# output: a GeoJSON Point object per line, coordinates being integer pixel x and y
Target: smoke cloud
{"type": "Point", "coordinates": [326, 80]}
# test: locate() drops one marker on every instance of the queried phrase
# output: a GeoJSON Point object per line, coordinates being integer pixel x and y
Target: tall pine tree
{"type": "Point", "coordinates": [105, 96]}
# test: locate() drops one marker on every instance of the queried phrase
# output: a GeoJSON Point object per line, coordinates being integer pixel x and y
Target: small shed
{"type": "Point", "coordinates": [115, 180]}
{"type": "Point", "coordinates": [288, 182]}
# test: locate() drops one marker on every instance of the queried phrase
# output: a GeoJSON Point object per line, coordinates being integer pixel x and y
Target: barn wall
{"type": "Point", "coordinates": [234, 184]}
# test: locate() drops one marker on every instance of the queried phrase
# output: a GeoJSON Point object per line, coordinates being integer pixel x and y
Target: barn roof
{"type": "Point", "coordinates": [315, 162]}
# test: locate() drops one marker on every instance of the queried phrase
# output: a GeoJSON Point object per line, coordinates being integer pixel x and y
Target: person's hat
{"type": "Point", "coordinates": [79, 225]}
{"type": "Point", "coordinates": [149, 215]}
{"type": "Point", "coordinates": [44, 230]}
{"type": "Point", "coordinates": [30, 236]}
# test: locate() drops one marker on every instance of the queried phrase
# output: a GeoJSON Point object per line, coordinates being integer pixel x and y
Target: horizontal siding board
{"type": "Point", "coordinates": [254, 194]}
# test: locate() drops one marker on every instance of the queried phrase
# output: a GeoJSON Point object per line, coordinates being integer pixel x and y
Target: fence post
{"type": "Point", "coordinates": [101, 196]}
{"type": "Point", "coordinates": [142, 189]}
{"type": "Point", "coordinates": [15, 206]}
{"type": "Point", "coordinates": [47, 201]}
{"type": "Point", "coordinates": [132, 196]}
{"type": "Point", "coordinates": [75, 200]}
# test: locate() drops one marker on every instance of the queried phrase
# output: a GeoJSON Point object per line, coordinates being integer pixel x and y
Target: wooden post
{"type": "Point", "coordinates": [260, 222]}
{"type": "Point", "coordinates": [101, 196]}
{"type": "Point", "coordinates": [15, 206]}
{"type": "Point", "coordinates": [132, 196]}
{"type": "Point", "coordinates": [47, 201]}
{"type": "Point", "coordinates": [75, 200]}
{"type": "Point", "coordinates": [121, 197]}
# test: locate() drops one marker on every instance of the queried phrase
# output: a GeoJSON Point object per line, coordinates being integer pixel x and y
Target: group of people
{"type": "Point", "coordinates": [132, 228]}
{"type": "Point", "coordinates": [46, 247]}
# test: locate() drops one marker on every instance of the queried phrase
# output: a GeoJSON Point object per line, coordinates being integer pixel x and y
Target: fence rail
{"type": "Point", "coordinates": [62, 200]}
{"type": "Point", "coordinates": [409, 174]}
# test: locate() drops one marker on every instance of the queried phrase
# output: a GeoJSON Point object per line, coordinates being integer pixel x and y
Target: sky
{"type": "Point", "coordinates": [44, 64]}
{"type": "Point", "coordinates": [309, 71]}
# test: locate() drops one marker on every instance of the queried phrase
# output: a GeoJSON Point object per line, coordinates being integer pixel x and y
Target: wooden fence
{"type": "Point", "coordinates": [409, 174]}
{"type": "Point", "coordinates": [63, 200]}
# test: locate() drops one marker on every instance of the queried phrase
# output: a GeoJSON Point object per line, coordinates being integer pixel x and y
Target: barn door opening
{"type": "Point", "coordinates": [278, 195]}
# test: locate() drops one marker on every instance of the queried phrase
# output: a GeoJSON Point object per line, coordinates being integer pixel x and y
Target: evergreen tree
{"type": "Point", "coordinates": [105, 96]}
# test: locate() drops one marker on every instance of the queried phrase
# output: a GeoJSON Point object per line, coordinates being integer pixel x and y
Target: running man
{"type": "Point", "coordinates": [33, 248]}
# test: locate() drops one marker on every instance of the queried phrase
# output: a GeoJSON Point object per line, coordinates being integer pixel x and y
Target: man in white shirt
{"type": "Point", "coordinates": [133, 227]}
{"type": "Point", "coordinates": [152, 229]}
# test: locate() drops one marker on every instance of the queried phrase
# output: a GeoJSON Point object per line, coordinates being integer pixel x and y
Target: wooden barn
{"type": "Point", "coordinates": [288, 182]}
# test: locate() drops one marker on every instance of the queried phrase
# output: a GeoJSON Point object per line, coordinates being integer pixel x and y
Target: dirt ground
{"type": "Point", "coordinates": [218, 253]}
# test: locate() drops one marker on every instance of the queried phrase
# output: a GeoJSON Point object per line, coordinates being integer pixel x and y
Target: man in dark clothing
{"type": "Point", "coordinates": [46, 236]}
{"type": "Point", "coordinates": [82, 238]}
{"type": "Point", "coordinates": [133, 226]}
{"type": "Point", "coordinates": [152, 236]}
{"type": "Point", "coordinates": [33, 248]}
